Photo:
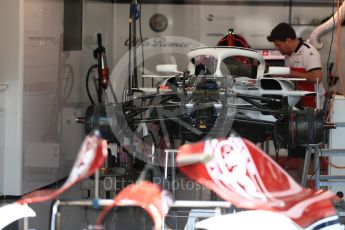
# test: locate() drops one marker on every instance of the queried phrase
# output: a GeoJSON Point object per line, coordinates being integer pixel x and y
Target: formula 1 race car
{"type": "Point", "coordinates": [224, 89]}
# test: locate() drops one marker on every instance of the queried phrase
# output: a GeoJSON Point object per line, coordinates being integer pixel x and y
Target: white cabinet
{"type": "Point", "coordinates": [337, 141]}
{"type": "Point", "coordinates": [3, 87]}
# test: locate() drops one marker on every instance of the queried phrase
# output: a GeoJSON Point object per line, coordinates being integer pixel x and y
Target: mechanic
{"type": "Point", "coordinates": [304, 62]}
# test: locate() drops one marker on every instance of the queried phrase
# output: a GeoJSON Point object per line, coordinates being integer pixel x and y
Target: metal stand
{"type": "Point", "coordinates": [172, 153]}
{"type": "Point", "coordinates": [55, 218]}
{"type": "Point", "coordinates": [313, 148]}
{"type": "Point", "coordinates": [321, 180]}
{"type": "Point", "coordinates": [55, 221]}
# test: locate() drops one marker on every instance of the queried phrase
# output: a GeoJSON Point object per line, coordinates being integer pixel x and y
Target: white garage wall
{"type": "Point", "coordinates": [207, 24]}
{"type": "Point", "coordinates": [194, 21]}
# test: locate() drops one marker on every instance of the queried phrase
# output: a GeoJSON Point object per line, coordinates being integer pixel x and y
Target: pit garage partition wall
{"type": "Point", "coordinates": [41, 94]}
{"type": "Point", "coordinates": [42, 85]}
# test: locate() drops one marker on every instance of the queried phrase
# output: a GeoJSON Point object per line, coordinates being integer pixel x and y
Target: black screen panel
{"type": "Point", "coordinates": [73, 16]}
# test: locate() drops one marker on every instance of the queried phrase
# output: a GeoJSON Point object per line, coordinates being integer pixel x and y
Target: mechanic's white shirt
{"type": "Point", "coordinates": [307, 58]}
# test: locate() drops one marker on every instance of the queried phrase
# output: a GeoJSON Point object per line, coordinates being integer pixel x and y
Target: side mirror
{"type": "Point", "coordinates": [275, 70]}
{"type": "Point", "coordinates": [168, 68]}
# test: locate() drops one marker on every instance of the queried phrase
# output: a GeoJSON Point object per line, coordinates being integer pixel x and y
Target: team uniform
{"type": "Point", "coordinates": [305, 59]}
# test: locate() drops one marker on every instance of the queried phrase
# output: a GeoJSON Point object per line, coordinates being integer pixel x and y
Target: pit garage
{"type": "Point", "coordinates": [151, 114]}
